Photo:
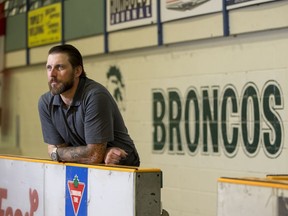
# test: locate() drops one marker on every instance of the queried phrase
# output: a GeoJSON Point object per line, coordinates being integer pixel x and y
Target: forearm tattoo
{"type": "Point", "coordinates": [82, 154]}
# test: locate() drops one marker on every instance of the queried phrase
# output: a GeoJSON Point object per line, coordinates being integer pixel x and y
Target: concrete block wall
{"type": "Point", "coordinates": [255, 54]}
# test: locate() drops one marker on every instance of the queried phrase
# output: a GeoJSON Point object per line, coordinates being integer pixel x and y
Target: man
{"type": "Point", "coordinates": [80, 119]}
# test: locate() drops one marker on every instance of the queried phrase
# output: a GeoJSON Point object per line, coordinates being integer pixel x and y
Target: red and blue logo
{"type": "Point", "coordinates": [76, 191]}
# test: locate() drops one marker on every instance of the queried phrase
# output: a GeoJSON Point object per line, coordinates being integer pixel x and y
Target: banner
{"type": "Point", "coordinates": [45, 25]}
{"type": "Point", "coordinates": [2, 19]}
{"type": "Point", "coordinates": [126, 14]}
{"type": "Point", "coordinates": [231, 4]}
{"type": "Point", "coordinates": [177, 9]}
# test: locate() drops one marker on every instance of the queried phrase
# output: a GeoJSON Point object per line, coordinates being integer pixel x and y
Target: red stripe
{"type": "Point", "coordinates": [2, 20]}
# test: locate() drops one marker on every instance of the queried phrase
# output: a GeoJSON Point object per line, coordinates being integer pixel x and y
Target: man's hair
{"type": "Point", "coordinates": [74, 56]}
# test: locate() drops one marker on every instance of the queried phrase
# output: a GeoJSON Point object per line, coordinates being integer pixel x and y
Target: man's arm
{"type": "Point", "coordinates": [90, 154]}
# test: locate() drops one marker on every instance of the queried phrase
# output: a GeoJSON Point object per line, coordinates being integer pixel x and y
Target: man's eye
{"type": "Point", "coordinates": [48, 68]}
{"type": "Point", "coordinates": [60, 67]}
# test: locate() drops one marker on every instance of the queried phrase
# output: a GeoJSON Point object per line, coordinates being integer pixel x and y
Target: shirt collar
{"type": "Point", "coordinates": [79, 92]}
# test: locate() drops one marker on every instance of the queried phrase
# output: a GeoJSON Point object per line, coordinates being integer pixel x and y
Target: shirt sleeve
{"type": "Point", "coordinates": [49, 132]}
{"type": "Point", "coordinates": [98, 120]}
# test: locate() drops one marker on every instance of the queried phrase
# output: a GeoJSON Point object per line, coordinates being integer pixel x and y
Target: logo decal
{"type": "Point", "coordinates": [116, 86]}
{"type": "Point", "coordinates": [76, 189]}
{"type": "Point", "coordinates": [76, 192]}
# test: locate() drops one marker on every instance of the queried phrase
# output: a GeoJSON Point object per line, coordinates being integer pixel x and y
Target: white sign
{"type": "Point", "coordinates": [127, 14]}
{"type": "Point", "coordinates": [177, 9]}
{"type": "Point", "coordinates": [232, 4]}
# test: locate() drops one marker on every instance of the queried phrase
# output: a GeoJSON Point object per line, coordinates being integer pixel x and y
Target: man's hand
{"type": "Point", "coordinates": [113, 155]}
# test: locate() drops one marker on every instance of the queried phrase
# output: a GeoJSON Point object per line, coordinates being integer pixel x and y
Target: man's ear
{"type": "Point", "coordinates": [78, 70]}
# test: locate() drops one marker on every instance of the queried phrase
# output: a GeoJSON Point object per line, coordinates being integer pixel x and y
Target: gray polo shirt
{"type": "Point", "coordinates": [93, 117]}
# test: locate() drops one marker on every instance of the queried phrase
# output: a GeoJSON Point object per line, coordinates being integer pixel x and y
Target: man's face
{"type": "Point", "coordinates": [60, 73]}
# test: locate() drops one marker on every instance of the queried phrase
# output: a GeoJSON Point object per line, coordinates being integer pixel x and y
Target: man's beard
{"type": "Point", "coordinates": [63, 87]}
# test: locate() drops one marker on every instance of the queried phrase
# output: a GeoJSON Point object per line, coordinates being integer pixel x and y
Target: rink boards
{"type": "Point", "coordinates": [253, 196]}
{"type": "Point", "coordinates": [41, 187]}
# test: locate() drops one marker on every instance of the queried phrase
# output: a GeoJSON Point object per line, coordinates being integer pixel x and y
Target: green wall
{"type": "Point", "coordinates": [81, 19]}
{"type": "Point", "coordinates": [15, 32]}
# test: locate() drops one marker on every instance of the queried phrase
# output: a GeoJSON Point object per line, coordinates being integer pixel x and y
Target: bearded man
{"type": "Point", "coordinates": [80, 119]}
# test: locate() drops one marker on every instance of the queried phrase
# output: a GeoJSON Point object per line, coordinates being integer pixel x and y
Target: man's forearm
{"type": "Point", "coordinates": [82, 154]}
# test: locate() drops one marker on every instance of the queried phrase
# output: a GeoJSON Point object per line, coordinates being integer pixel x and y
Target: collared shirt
{"type": "Point", "coordinates": [92, 118]}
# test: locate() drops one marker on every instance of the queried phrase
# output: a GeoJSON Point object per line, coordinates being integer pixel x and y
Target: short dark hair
{"type": "Point", "coordinates": [74, 56]}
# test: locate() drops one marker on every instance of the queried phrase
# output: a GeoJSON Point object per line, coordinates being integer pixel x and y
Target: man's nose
{"type": "Point", "coordinates": [52, 72]}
